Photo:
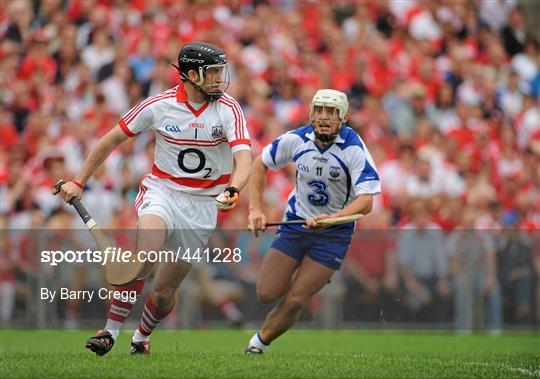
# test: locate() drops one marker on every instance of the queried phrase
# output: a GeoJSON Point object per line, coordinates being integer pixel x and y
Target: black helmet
{"type": "Point", "coordinates": [201, 56]}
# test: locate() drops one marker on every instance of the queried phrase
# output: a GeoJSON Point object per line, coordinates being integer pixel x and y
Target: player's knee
{"type": "Point", "coordinates": [294, 302]}
{"type": "Point", "coordinates": [265, 296]}
{"type": "Point", "coordinates": [163, 298]}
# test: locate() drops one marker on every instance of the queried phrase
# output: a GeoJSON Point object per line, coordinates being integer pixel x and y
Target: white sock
{"type": "Point", "coordinates": [113, 327]}
{"type": "Point", "coordinates": [139, 337]}
{"type": "Point", "coordinates": [255, 341]}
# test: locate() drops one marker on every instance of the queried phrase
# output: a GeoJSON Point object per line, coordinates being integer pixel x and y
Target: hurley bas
{"type": "Point", "coordinates": [103, 293]}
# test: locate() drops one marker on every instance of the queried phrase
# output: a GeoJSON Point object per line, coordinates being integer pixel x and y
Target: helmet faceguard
{"type": "Point", "coordinates": [324, 99]}
{"type": "Point", "coordinates": [208, 61]}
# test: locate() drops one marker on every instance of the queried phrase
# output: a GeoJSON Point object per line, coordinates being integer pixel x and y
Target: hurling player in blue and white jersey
{"type": "Point", "coordinates": [335, 176]}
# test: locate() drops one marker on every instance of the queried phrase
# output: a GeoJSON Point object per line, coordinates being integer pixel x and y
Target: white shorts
{"type": "Point", "coordinates": [190, 219]}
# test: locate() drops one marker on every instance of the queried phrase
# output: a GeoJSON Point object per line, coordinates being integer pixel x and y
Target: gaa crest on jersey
{"type": "Point", "coordinates": [173, 128]}
{"type": "Point", "coordinates": [334, 171]}
{"type": "Point", "coordinates": [217, 131]}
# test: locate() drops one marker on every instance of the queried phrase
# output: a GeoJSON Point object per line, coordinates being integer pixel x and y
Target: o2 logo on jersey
{"type": "Point", "coordinates": [193, 170]}
{"type": "Point", "coordinates": [320, 197]}
{"type": "Point", "coordinates": [172, 128]}
{"type": "Point", "coordinates": [217, 131]}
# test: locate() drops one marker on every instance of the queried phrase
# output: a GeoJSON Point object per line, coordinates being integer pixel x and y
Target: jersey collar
{"type": "Point", "coordinates": [181, 97]}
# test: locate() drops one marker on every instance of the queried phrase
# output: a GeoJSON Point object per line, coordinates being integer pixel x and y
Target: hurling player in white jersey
{"type": "Point", "coordinates": [202, 151]}
{"type": "Point", "coordinates": [335, 176]}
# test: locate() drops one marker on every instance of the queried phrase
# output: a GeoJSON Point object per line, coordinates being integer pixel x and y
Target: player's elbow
{"type": "Point", "coordinates": [367, 205]}
{"type": "Point", "coordinates": [258, 165]}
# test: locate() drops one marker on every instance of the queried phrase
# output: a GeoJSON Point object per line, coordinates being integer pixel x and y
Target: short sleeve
{"type": "Point", "coordinates": [279, 153]}
{"type": "Point", "coordinates": [235, 125]}
{"type": "Point", "coordinates": [142, 117]}
{"type": "Point", "coordinates": [364, 175]}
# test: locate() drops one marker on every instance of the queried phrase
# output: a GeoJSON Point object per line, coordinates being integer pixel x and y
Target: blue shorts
{"type": "Point", "coordinates": [327, 247]}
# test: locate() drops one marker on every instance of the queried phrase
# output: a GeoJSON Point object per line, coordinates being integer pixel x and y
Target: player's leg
{"type": "Point", "coordinates": [160, 303]}
{"type": "Point", "coordinates": [194, 223]}
{"type": "Point", "coordinates": [280, 263]}
{"type": "Point", "coordinates": [311, 277]}
{"type": "Point", "coordinates": [151, 234]}
{"type": "Point", "coordinates": [275, 275]}
{"type": "Point", "coordinates": [277, 271]}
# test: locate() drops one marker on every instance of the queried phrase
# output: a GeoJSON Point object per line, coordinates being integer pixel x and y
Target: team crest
{"type": "Point", "coordinates": [217, 131]}
{"type": "Point", "coordinates": [334, 171]}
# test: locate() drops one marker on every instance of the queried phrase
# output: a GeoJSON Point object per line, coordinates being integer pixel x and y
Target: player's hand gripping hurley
{"type": "Point", "coordinates": [330, 221]}
{"type": "Point", "coordinates": [116, 272]}
{"type": "Point", "coordinates": [228, 199]}
{"type": "Point", "coordinates": [322, 223]}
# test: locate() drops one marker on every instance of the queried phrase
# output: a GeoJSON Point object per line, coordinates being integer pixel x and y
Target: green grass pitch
{"type": "Point", "coordinates": [299, 354]}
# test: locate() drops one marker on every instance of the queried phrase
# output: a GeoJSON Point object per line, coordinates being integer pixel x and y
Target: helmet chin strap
{"type": "Point", "coordinates": [212, 96]}
{"type": "Point", "coordinates": [209, 97]}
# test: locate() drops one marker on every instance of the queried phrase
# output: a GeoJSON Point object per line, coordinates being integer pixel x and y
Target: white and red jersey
{"type": "Point", "coordinates": [194, 148]}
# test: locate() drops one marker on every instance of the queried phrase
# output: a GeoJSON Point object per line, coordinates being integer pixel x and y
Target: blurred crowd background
{"type": "Point", "coordinates": [444, 93]}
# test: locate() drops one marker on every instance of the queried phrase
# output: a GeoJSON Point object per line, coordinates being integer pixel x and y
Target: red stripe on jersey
{"type": "Point", "coordinates": [194, 143]}
{"type": "Point", "coordinates": [192, 182]}
{"type": "Point", "coordinates": [237, 118]}
{"type": "Point", "coordinates": [239, 110]}
{"type": "Point", "coordinates": [180, 141]}
{"type": "Point", "coordinates": [144, 103]}
{"type": "Point", "coordinates": [125, 129]}
{"type": "Point", "coordinates": [240, 142]}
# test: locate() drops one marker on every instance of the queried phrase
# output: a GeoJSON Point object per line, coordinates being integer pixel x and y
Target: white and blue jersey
{"type": "Point", "coordinates": [327, 180]}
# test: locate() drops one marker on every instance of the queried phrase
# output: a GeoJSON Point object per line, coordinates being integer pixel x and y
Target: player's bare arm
{"type": "Point", "coordinates": [240, 176]}
{"type": "Point", "coordinates": [97, 156]}
{"type": "Point", "coordinates": [257, 218]}
{"type": "Point", "coordinates": [242, 169]}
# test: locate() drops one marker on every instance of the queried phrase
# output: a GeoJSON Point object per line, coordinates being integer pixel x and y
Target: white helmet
{"type": "Point", "coordinates": [331, 98]}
